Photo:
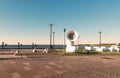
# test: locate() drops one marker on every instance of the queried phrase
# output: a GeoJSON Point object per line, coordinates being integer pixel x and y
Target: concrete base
{"type": "Point", "coordinates": [71, 49]}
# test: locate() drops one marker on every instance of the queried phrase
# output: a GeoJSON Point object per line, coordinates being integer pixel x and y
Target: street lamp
{"type": "Point", "coordinates": [32, 45]}
{"type": "Point", "coordinates": [100, 39]}
{"type": "Point", "coordinates": [2, 45]}
{"type": "Point", "coordinates": [53, 38]}
{"type": "Point", "coordinates": [78, 41]}
{"type": "Point", "coordinates": [17, 51]}
{"type": "Point", "coordinates": [18, 45]}
{"type": "Point", "coordinates": [64, 39]}
{"type": "Point", "coordinates": [51, 34]}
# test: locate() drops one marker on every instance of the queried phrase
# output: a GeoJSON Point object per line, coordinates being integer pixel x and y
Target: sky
{"type": "Point", "coordinates": [27, 21]}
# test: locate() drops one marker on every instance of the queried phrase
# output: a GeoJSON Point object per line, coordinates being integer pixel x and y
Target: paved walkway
{"type": "Point", "coordinates": [54, 66]}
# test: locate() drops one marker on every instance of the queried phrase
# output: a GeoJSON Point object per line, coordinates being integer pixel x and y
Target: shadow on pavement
{"type": "Point", "coordinates": [107, 58]}
{"type": "Point", "coordinates": [10, 58]}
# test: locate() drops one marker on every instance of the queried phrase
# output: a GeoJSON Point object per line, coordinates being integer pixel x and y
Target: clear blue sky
{"type": "Point", "coordinates": [27, 20]}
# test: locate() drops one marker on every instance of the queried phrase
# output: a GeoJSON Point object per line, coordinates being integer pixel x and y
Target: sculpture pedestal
{"type": "Point", "coordinates": [71, 49]}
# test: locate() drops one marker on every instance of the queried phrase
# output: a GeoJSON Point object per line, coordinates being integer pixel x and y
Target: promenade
{"type": "Point", "coordinates": [58, 66]}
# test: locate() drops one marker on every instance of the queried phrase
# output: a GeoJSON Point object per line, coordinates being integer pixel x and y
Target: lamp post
{"type": "Point", "coordinates": [51, 34]}
{"type": "Point", "coordinates": [64, 39]}
{"type": "Point", "coordinates": [18, 47]}
{"type": "Point", "coordinates": [32, 45]}
{"type": "Point", "coordinates": [53, 38]}
{"type": "Point", "coordinates": [78, 41]}
{"type": "Point", "coordinates": [2, 45]}
{"type": "Point", "coordinates": [100, 39]}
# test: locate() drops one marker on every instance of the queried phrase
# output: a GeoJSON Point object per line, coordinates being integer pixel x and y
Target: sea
{"type": "Point", "coordinates": [37, 46]}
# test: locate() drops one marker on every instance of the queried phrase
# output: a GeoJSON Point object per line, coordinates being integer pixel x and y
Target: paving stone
{"type": "Point", "coordinates": [16, 75]}
{"type": "Point", "coordinates": [93, 66]}
{"type": "Point", "coordinates": [4, 74]}
{"type": "Point", "coordinates": [26, 68]}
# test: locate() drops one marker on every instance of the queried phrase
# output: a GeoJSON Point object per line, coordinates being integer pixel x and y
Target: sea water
{"type": "Point", "coordinates": [37, 46]}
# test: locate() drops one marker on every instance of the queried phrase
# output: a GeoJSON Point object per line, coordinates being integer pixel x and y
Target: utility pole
{"type": "Point", "coordinates": [53, 38]}
{"type": "Point", "coordinates": [51, 25]}
{"type": "Point", "coordinates": [100, 39]}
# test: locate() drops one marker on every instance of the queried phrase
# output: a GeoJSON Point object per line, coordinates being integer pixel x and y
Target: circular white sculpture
{"type": "Point", "coordinates": [71, 37]}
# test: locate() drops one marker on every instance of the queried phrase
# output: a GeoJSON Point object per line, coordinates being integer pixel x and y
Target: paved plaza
{"type": "Point", "coordinates": [59, 66]}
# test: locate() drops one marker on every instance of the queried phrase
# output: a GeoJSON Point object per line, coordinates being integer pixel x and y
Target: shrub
{"type": "Point", "coordinates": [51, 50]}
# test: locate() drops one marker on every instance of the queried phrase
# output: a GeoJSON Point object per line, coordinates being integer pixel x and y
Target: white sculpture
{"type": "Point", "coordinates": [34, 50]}
{"type": "Point", "coordinates": [45, 50]}
{"type": "Point", "coordinates": [17, 53]}
{"type": "Point", "coordinates": [72, 36]}
{"type": "Point", "coordinates": [88, 48]}
{"type": "Point", "coordinates": [95, 48]}
{"type": "Point", "coordinates": [114, 48]}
